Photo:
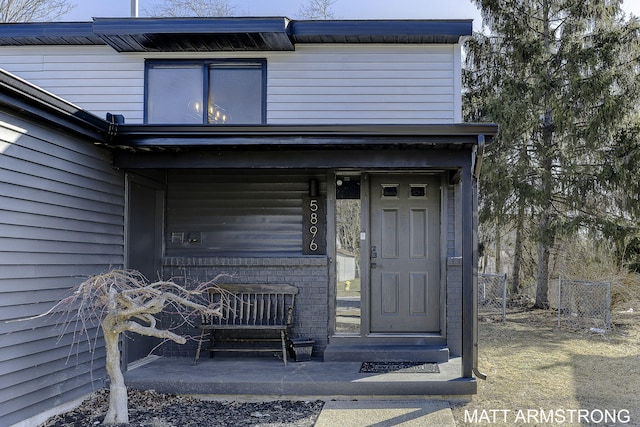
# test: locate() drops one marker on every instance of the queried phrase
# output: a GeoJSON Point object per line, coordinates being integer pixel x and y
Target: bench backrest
{"type": "Point", "coordinates": [254, 304]}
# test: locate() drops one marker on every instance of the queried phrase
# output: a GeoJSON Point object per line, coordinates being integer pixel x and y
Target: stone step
{"type": "Point", "coordinates": [386, 353]}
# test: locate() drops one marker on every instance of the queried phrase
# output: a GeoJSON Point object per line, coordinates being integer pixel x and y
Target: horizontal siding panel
{"type": "Point", "coordinates": [26, 354]}
{"type": "Point", "coordinates": [72, 390]}
{"type": "Point", "coordinates": [44, 258]}
{"type": "Point", "coordinates": [61, 220]}
{"type": "Point", "coordinates": [23, 386]}
{"type": "Point", "coordinates": [342, 106]}
{"type": "Point", "coordinates": [364, 84]}
{"type": "Point", "coordinates": [367, 116]}
{"type": "Point", "coordinates": [78, 164]}
{"type": "Point", "coordinates": [364, 75]}
{"type": "Point", "coordinates": [101, 80]}
{"type": "Point", "coordinates": [373, 82]}
{"type": "Point", "coordinates": [54, 330]}
{"type": "Point", "coordinates": [402, 64]}
{"type": "Point", "coordinates": [57, 235]}
{"type": "Point", "coordinates": [360, 90]}
{"type": "Point", "coordinates": [72, 272]}
{"type": "Point", "coordinates": [47, 222]}
{"type": "Point", "coordinates": [68, 71]}
{"type": "Point", "coordinates": [16, 139]}
{"type": "Point", "coordinates": [26, 297]}
{"type": "Point", "coordinates": [249, 214]}
{"type": "Point", "coordinates": [412, 102]}
{"type": "Point", "coordinates": [105, 99]}
{"type": "Point", "coordinates": [57, 85]}
{"type": "Point", "coordinates": [35, 284]}
{"type": "Point", "coordinates": [53, 247]}
{"type": "Point", "coordinates": [77, 208]}
{"type": "Point", "coordinates": [59, 181]}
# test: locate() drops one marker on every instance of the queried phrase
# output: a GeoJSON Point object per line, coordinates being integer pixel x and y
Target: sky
{"type": "Point", "coordinates": [344, 9]}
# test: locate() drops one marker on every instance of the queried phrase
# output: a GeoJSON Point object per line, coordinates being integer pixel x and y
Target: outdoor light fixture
{"type": "Point", "coordinates": [313, 187]}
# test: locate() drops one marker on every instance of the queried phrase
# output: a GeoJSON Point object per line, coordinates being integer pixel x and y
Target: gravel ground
{"type": "Point", "coordinates": [150, 409]}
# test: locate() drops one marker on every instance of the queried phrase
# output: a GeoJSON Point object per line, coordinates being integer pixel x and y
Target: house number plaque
{"type": "Point", "coordinates": [314, 226]}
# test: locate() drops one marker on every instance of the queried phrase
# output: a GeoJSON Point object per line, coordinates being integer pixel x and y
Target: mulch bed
{"type": "Point", "coordinates": [151, 409]}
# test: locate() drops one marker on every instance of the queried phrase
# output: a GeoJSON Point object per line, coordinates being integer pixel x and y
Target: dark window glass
{"type": "Point", "coordinates": [390, 191]}
{"type": "Point", "coordinates": [209, 92]}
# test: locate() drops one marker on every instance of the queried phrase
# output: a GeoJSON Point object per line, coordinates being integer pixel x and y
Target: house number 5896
{"type": "Point", "coordinates": [314, 239]}
{"type": "Point", "coordinates": [313, 220]}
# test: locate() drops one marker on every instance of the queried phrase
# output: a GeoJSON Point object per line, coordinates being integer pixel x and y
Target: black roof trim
{"type": "Point", "coordinates": [381, 31]}
{"type": "Point", "coordinates": [24, 98]}
{"type": "Point", "coordinates": [163, 137]}
{"type": "Point", "coordinates": [194, 34]}
{"type": "Point", "coordinates": [48, 33]}
{"type": "Point", "coordinates": [229, 34]}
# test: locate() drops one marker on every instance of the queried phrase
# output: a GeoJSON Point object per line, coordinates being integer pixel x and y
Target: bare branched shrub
{"type": "Point", "coordinates": [123, 301]}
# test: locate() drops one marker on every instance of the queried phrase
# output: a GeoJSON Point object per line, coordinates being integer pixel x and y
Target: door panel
{"type": "Point", "coordinates": [405, 264]}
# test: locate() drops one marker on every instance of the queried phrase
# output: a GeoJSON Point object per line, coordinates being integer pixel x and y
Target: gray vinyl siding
{"type": "Point", "coordinates": [61, 219]}
{"type": "Point", "coordinates": [315, 84]}
{"type": "Point", "coordinates": [236, 213]}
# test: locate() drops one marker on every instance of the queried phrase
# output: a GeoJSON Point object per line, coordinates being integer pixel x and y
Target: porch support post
{"type": "Point", "coordinates": [468, 308]}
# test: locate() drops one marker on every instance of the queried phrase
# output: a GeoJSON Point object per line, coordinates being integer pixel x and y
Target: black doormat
{"type": "Point", "coordinates": [399, 367]}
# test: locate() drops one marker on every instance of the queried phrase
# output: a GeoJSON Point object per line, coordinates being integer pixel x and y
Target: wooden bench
{"type": "Point", "coordinates": [250, 308]}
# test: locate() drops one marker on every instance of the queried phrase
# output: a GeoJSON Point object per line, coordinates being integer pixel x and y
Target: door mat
{"type": "Point", "coordinates": [399, 367]}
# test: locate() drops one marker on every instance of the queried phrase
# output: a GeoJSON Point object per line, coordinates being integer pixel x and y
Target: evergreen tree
{"type": "Point", "coordinates": [560, 78]}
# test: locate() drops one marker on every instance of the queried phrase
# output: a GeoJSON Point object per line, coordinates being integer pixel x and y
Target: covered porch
{"type": "Point", "coordinates": [234, 200]}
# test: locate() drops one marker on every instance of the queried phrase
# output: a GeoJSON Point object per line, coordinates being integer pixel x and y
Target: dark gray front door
{"type": "Point", "coordinates": [405, 253]}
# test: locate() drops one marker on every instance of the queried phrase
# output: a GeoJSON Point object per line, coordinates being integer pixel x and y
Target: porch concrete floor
{"type": "Point", "coordinates": [265, 377]}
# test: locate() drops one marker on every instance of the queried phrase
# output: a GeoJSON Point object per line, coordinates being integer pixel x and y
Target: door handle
{"type": "Point", "coordinates": [374, 252]}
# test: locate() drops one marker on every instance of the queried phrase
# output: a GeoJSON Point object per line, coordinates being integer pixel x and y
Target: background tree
{"type": "Point", "coordinates": [199, 8]}
{"type": "Point", "coordinates": [317, 9]}
{"type": "Point", "coordinates": [123, 301]}
{"type": "Point", "coordinates": [33, 10]}
{"type": "Point", "coordinates": [560, 77]}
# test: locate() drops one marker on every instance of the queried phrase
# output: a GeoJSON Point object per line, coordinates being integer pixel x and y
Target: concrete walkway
{"type": "Point", "coordinates": [382, 413]}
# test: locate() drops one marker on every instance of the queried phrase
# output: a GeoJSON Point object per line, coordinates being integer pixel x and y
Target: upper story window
{"type": "Point", "coordinates": [209, 92]}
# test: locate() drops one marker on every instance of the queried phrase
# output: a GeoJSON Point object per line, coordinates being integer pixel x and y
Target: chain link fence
{"type": "Point", "coordinates": [583, 304]}
{"type": "Point", "coordinates": [492, 294]}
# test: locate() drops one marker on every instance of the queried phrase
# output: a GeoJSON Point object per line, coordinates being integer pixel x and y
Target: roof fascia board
{"type": "Point", "coordinates": [165, 136]}
{"type": "Point", "coordinates": [45, 33]}
{"type": "Point", "coordinates": [431, 27]}
{"type": "Point", "coordinates": [310, 158]}
{"type": "Point", "coordinates": [24, 98]}
{"type": "Point", "coordinates": [259, 33]}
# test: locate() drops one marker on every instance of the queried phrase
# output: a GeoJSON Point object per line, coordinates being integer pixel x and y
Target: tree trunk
{"type": "Point", "coordinates": [118, 412]}
{"type": "Point", "coordinates": [542, 279]}
{"type": "Point", "coordinates": [517, 255]}
{"type": "Point", "coordinates": [545, 234]}
{"type": "Point", "coordinates": [498, 247]}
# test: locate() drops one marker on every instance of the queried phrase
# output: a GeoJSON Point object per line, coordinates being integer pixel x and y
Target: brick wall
{"type": "Point", "coordinates": [309, 274]}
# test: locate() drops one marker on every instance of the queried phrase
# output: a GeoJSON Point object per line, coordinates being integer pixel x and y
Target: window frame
{"type": "Point", "coordinates": [206, 65]}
